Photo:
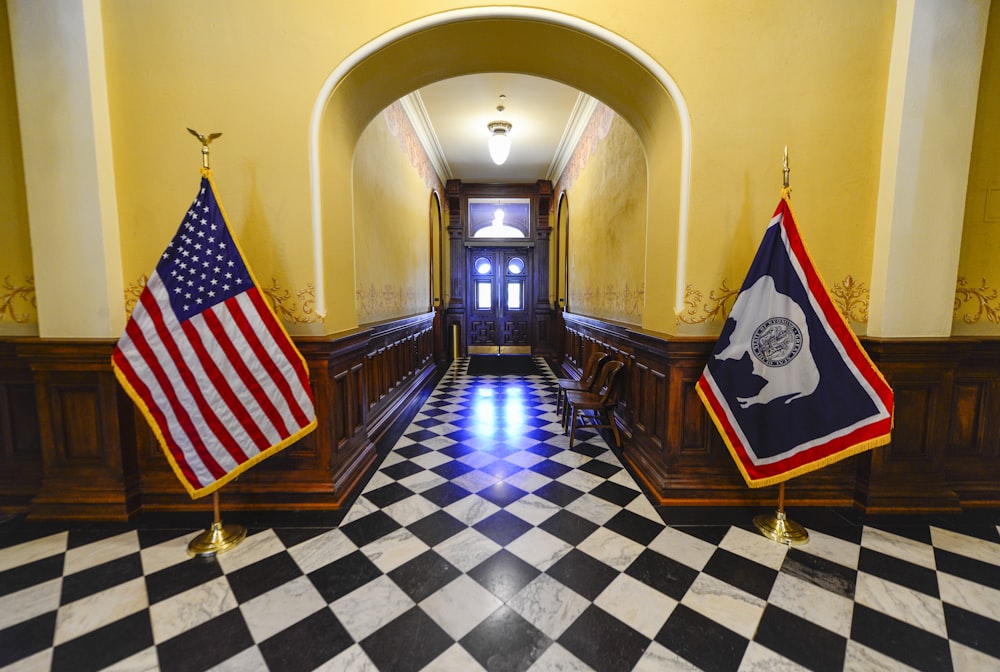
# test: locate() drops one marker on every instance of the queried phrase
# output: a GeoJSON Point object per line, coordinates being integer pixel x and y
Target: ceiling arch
{"type": "Point", "coordinates": [531, 41]}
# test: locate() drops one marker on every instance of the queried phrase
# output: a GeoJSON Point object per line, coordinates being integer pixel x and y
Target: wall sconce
{"type": "Point", "coordinates": [499, 142]}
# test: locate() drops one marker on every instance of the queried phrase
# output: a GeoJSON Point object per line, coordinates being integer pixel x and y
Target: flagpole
{"type": "Point", "coordinates": [218, 538]}
{"type": "Point", "coordinates": [777, 527]}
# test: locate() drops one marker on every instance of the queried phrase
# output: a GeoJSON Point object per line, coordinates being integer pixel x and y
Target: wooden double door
{"type": "Point", "coordinates": [500, 314]}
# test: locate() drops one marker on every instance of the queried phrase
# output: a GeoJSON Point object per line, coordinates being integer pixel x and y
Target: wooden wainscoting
{"type": "Point", "coordinates": [73, 445]}
{"type": "Point", "coordinates": [944, 454]}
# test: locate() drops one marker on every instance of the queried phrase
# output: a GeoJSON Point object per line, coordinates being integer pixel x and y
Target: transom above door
{"type": "Point", "coordinates": [500, 313]}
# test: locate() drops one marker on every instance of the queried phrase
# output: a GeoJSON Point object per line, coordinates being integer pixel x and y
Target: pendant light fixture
{"type": "Point", "coordinates": [499, 142]}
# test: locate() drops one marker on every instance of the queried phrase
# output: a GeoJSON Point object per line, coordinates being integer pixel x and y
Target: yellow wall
{"type": "Point", "coordinates": [17, 295]}
{"type": "Point", "coordinates": [755, 77]}
{"type": "Point", "coordinates": [977, 303]}
{"type": "Point", "coordinates": [392, 229]}
{"type": "Point", "coordinates": [607, 227]}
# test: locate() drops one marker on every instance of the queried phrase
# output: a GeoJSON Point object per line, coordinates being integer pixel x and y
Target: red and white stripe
{"type": "Point", "coordinates": [221, 387]}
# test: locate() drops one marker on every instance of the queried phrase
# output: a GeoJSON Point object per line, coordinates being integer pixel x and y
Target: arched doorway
{"type": "Point", "coordinates": [458, 42]}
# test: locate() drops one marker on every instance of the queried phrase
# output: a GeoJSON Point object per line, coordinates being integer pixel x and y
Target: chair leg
{"type": "Point", "coordinates": [614, 428]}
{"type": "Point", "coordinates": [572, 428]}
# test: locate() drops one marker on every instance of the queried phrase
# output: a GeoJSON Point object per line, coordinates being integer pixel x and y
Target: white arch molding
{"type": "Point", "coordinates": [478, 14]}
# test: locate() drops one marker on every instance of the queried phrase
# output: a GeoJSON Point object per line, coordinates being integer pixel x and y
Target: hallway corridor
{"type": "Point", "coordinates": [483, 543]}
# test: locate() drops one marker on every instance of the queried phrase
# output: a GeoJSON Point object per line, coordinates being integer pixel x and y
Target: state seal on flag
{"type": "Point", "coordinates": [776, 341]}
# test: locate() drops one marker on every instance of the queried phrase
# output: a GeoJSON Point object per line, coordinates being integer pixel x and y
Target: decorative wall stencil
{"type": "Point", "coordinates": [611, 302]}
{"type": "Point", "coordinates": [401, 128]}
{"type": "Point", "coordinates": [375, 303]}
{"type": "Point", "coordinates": [300, 310]}
{"type": "Point", "coordinates": [720, 302]}
{"type": "Point", "coordinates": [985, 300]}
{"type": "Point", "coordinates": [852, 298]}
{"type": "Point", "coordinates": [14, 294]}
{"type": "Point", "coordinates": [597, 129]}
{"type": "Point", "coordinates": [133, 292]}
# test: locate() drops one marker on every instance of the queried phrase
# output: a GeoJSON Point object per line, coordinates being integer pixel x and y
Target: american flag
{"type": "Point", "coordinates": [207, 362]}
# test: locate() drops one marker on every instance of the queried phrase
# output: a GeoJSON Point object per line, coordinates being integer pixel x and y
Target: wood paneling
{"type": "Point", "coordinates": [944, 454]}
{"type": "Point", "coordinates": [73, 445]}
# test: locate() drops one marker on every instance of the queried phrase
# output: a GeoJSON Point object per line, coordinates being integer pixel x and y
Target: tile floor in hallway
{"type": "Point", "coordinates": [483, 543]}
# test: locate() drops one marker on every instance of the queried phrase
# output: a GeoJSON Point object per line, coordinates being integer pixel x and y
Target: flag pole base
{"type": "Point", "coordinates": [218, 539]}
{"type": "Point", "coordinates": [778, 528]}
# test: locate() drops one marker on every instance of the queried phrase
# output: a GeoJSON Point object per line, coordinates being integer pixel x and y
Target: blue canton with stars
{"type": "Point", "coordinates": [202, 266]}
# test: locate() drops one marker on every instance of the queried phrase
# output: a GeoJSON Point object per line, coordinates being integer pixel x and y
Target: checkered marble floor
{"type": "Point", "coordinates": [483, 543]}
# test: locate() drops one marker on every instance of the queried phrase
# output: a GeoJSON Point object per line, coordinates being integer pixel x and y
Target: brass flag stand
{"type": "Point", "coordinates": [218, 538]}
{"type": "Point", "coordinates": [777, 527]}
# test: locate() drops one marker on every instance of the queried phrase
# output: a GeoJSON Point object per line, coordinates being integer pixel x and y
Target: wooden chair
{"type": "Point", "coordinates": [586, 382]}
{"type": "Point", "coordinates": [601, 402]}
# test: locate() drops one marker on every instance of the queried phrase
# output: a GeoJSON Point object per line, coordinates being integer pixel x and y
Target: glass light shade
{"type": "Point", "coordinates": [499, 141]}
{"type": "Point", "coordinates": [499, 147]}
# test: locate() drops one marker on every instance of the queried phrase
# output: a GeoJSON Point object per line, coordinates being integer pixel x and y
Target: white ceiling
{"type": "Point", "coordinates": [451, 115]}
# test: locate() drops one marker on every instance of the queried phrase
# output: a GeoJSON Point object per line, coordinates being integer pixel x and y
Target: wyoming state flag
{"type": "Point", "coordinates": [789, 386]}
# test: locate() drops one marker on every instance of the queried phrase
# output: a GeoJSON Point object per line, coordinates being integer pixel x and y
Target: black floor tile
{"type": "Point", "coordinates": [701, 641]}
{"type": "Point", "coordinates": [262, 576]}
{"type": "Point", "coordinates": [584, 574]}
{"type": "Point", "coordinates": [637, 528]}
{"type": "Point", "coordinates": [424, 575]}
{"type": "Point", "coordinates": [177, 578]}
{"type": "Point", "coordinates": [603, 642]}
{"type": "Point", "coordinates": [821, 572]}
{"type": "Point", "coordinates": [967, 568]}
{"type": "Point", "coordinates": [745, 574]}
{"type": "Point", "coordinates": [27, 638]}
{"type": "Point", "coordinates": [501, 493]}
{"type": "Point", "coordinates": [568, 526]}
{"type": "Point", "coordinates": [904, 573]}
{"type": "Point", "coordinates": [95, 579]}
{"type": "Point", "coordinates": [505, 642]}
{"type": "Point", "coordinates": [662, 573]}
{"type": "Point", "coordinates": [104, 646]}
{"type": "Point", "coordinates": [910, 645]}
{"type": "Point", "coordinates": [445, 494]}
{"type": "Point", "coordinates": [616, 494]}
{"type": "Point", "coordinates": [812, 646]}
{"type": "Point", "coordinates": [374, 526]}
{"type": "Point", "coordinates": [30, 574]}
{"type": "Point", "coordinates": [436, 527]}
{"type": "Point", "coordinates": [344, 575]}
{"type": "Point", "coordinates": [407, 643]}
{"type": "Point", "coordinates": [504, 574]}
{"type": "Point", "coordinates": [306, 645]}
{"type": "Point", "coordinates": [502, 527]}
{"type": "Point", "coordinates": [206, 645]}
{"type": "Point", "coordinates": [973, 630]}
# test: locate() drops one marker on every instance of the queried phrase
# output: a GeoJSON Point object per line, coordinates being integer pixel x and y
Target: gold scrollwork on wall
{"type": "Point", "coordinates": [852, 298]}
{"type": "Point", "coordinates": [133, 292]}
{"type": "Point", "coordinates": [300, 310]}
{"type": "Point", "coordinates": [613, 302]}
{"type": "Point", "coordinates": [14, 294]}
{"type": "Point", "coordinates": [387, 300]}
{"type": "Point", "coordinates": [984, 299]}
{"type": "Point", "coordinates": [720, 302]}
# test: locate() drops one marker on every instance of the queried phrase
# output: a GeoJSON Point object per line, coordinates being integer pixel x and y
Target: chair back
{"type": "Point", "coordinates": [604, 387]}
{"type": "Point", "coordinates": [592, 368]}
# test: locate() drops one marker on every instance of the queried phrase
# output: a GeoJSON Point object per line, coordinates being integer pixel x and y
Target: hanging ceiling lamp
{"type": "Point", "coordinates": [499, 143]}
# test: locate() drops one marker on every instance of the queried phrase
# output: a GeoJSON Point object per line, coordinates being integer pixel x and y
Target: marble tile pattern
{"type": "Point", "coordinates": [481, 542]}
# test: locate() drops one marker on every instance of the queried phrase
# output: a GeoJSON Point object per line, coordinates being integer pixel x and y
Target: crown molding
{"type": "Point", "coordinates": [579, 117]}
{"type": "Point", "coordinates": [413, 107]}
